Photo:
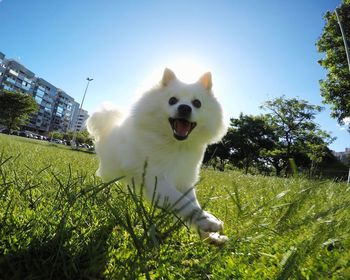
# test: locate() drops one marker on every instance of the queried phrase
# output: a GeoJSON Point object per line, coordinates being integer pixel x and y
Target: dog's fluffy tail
{"type": "Point", "coordinates": [102, 121]}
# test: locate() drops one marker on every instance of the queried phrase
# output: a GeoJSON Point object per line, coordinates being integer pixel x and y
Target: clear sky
{"type": "Point", "coordinates": [256, 50]}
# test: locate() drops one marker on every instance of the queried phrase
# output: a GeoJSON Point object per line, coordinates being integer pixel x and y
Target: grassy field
{"type": "Point", "coordinates": [59, 221]}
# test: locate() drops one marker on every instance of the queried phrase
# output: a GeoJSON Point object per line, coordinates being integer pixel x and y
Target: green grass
{"type": "Point", "coordinates": [59, 221]}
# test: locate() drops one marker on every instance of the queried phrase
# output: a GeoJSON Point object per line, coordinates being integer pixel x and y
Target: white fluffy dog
{"type": "Point", "coordinates": [169, 127]}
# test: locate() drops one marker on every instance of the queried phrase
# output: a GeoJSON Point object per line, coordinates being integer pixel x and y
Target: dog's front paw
{"type": "Point", "coordinates": [214, 238]}
{"type": "Point", "coordinates": [209, 223]}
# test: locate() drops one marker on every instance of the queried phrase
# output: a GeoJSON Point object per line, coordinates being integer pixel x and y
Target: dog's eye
{"type": "Point", "coordinates": [173, 100]}
{"type": "Point", "coordinates": [196, 103]}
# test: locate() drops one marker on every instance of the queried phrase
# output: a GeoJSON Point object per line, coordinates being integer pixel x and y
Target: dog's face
{"type": "Point", "coordinates": [183, 112]}
{"type": "Point", "coordinates": [185, 103]}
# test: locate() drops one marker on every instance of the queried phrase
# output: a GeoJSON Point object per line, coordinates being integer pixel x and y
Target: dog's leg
{"type": "Point", "coordinates": [211, 237]}
{"type": "Point", "coordinates": [206, 216]}
{"type": "Point", "coordinates": [185, 205]}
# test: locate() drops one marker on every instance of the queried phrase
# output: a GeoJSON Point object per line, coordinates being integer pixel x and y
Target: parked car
{"type": "Point", "coordinates": [57, 141]}
{"type": "Point", "coordinates": [23, 134]}
{"type": "Point", "coordinates": [5, 130]}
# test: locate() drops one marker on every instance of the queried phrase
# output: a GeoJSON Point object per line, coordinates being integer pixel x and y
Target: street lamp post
{"type": "Point", "coordinates": [73, 143]}
{"type": "Point", "coordinates": [344, 38]}
{"type": "Point", "coordinates": [347, 56]}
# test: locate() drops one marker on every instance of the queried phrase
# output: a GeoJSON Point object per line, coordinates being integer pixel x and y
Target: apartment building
{"type": "Point", "coordinates": [74, 116]}
{"type": "Point", "coordinates": [15, 76]}
{"type": "Point", "coordinates": [44, 94]}
{"type": "Point", "coordinates": [343, 156]}
{"type": "Point", "coordinates": [80, 122]}
{"type": "Point", "coordinates": [63, 112]}
{"type": "Point", "coordinates": [2, 64]}
{"type": "Point", "coordinates": [58, 111]}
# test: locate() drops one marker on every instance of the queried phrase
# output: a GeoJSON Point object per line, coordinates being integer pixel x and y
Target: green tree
{"type": "Point", "coordinates": [335, 89]}
{"type": "Point", "coordinates": [248, 137]}
{"type": "Point", "coordinates": [68, 136]}
{"type": "Point", "coordinates": [217, 154]}
{"type": "Point", "coordinates": [300, 139]}
{"type": "Point", "coordinates": [84, 137]}
{"type": "Point", "coordinates": [56, 135]}
{"type": "Point", "coordinates": [15, 108]}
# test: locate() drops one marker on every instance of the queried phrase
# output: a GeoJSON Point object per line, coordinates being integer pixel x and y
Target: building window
{"type": "Point", "coordinates": [38, 99]}
{"type": "Point", "coordinates": [7, 87]}
{"type": "Point", "coordinates": [40, 92]}
{"type": "Point", "coordinates": [9, 79]}
{"type": "Point", "coordinates": [13, 72]}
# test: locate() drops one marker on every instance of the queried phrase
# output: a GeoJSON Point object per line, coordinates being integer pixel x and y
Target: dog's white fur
{"type": "Point", "coordinates": [146, 135]}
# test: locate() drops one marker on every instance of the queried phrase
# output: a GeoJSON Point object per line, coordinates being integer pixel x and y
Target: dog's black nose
{"type": "Point", "coordinates": [184, 111]}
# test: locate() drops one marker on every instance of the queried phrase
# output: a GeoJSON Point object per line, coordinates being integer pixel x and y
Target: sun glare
{"type": "Point", "coordinates": [187, 70]}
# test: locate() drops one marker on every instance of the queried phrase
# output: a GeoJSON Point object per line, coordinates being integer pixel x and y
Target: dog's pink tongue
{"type": "Point", "coordinates": [182, 128]}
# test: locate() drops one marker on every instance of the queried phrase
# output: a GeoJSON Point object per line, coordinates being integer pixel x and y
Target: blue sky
{"type": "Point", "coordinates": [256, 50]}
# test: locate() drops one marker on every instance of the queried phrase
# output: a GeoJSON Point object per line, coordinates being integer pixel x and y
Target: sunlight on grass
{"type": "Point", "coordinates": [58, 220]}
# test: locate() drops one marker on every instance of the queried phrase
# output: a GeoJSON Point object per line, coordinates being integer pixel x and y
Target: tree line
{"type": "Point", "coordinates": [16, 109]}
{"type": "Point", "coordinates": [285, 140]}
{"type": "Point", "coordinates": [82, 137]}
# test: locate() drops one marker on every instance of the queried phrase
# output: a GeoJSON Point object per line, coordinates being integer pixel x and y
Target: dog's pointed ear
{"type": "Point", "coordinates": [168, 76]}
{"type": "Point", "coordinates": [205, 81]}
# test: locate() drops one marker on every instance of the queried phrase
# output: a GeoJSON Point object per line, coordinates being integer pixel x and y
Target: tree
{"type": "Point", "coordinates": [248, 137]}
{"type": "Point", "coordinates": [56, 135]}
{"type": "Point", "coordinates": [82, 137]}
{"type": "Point", "coordinates": [217, 154]}
{"type": "Point", "coordinates": [300, 139]}
{"type": "Point", "coordinates": [335, 89]}
{"type": "Point", "coordinates": [15, 108]}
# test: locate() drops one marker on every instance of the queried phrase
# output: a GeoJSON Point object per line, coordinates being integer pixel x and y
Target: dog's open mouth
{"type": "Point", "coordinates": [181, 128]}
